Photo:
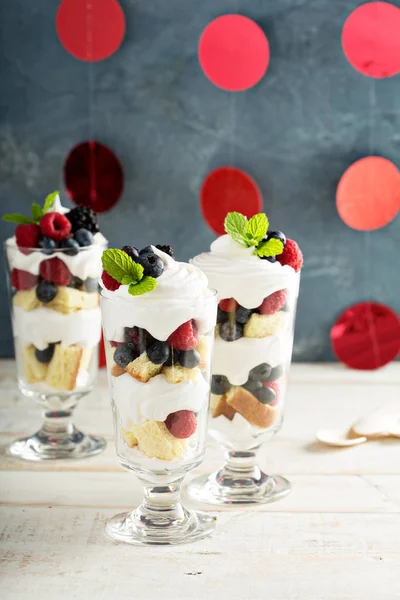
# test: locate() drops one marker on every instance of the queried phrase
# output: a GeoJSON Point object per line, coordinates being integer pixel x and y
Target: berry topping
{"type": "Point", "coordinates": [55, 226]}
{"type": "Point", "coordinates": [266, 395]}
{"type": "Point", "coordinates": [69, 246]}
{"type": "Point", "coordinates": [167, 249]}
{"type": "Point", "coordinates": [260, 372]}
{"type": "Point", "coordinates": [82, 217]}
{"type": "Point", "coordinates": [291, 255]}
{"type": "Point", "coordinates": [22, 280]}
{"type": "Point", "coordinates": [47, 245]}
{"type": "Point", "coordinates": [158, 352]}
{"type": "Point", "coordinates": [274, 386]}
{"type": "Point", "coordinates": [76, 283]}
{"type": "Point", "coordinates": [56, 271]}
{"type": "Point", "coordinates": [152, 264]}
{"type": "Point", "coordinates": [131, 251]}
{"type": "Point", "coordinates": [27, 235]}
{"type": "Point", "coordinates": [243, 315]}
{"type": "Point", "coordinates": [276, 235]}
{"type": "Point", "coordinates": [186, 337]}
{"type": "Point", "coordinates": [91, 284]}
{"type": "Point", "coordinates": [147, 250]}
{"type": "Point", "coordinates": [45, 356]}
{"type": "Point", "coordinates": [189, 358]}
{"type": "Point", "coordinates": [109, 282]}
{"type": "Point", "coordinates": [222, 316]}
{"type": "Point", "coordinates": [124, 354]}
{"type": "Point", "coordinates": [230, 332]}
{"type": "Point", "coordinates": [138, 338]}
{"type": "Point", "coordinates": [273, 303]}
{"type": "Point", "coordinates": [84, 237]}
{"type": "Point", "coordinates": [220, 385]}
{"type": "Point", "coordinates": [276, 372]}
{"type": "Point", "coordinates": [46, 291]}
{"type": "Point", "coordinates": [181, 424]}
{"type": "Point", "coordinates": [228, 305]}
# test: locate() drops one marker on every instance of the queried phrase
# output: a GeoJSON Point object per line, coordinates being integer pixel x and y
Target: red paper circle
{"type": "Point", "coordinates": [371, 39]}
{"type": "Point", "coordinates": [93, 176]}
{"type": "Point", "coordinates": [368, 194]}
{"type": "Point", "coordinates": [233, 53]}
{"type": "Point", "coordinates": [366, 336]}
{"type": "Point", "coordinates": [228, 189]}
{"type": "Point", "coordinates": [90, 30]}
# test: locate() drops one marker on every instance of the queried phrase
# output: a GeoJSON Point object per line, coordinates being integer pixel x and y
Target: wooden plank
{"type": "Point", "coordinates": [64, 554]}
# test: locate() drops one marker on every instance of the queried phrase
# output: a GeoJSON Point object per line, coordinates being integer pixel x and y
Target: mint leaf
{"type": "Point", "coordinates": [147, 284]}
{"type": "Point", "coordinates": [270, 248]}
{"type": "Point", "coordinates": [17, 218]}
{"type": "Point", "coordinates": [37, 212]}
{"type": "Point", "coordinates": [235, 225]}
{"type": "Point", "coordinates": [48, 203]}
{"type": "Point", "coordinates": [121, 266]}
{"type": "Point", "coordinates": [257, 227]}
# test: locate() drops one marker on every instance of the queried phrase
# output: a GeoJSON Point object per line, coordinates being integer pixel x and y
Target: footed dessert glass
{"type": "Point", "coordinates": [160, 400]}
{"type": "Point", "coordinates": [252, 356]}
{"type": "Point", "coordinates": [57, 329]}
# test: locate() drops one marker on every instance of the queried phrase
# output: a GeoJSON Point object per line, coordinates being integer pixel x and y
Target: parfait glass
{"type": "Point", "coordinates": [252, 356]}
{"type": "Point", "coordinates": [57, 330]}
{"type": "Point", "coordinates": [160, 410]}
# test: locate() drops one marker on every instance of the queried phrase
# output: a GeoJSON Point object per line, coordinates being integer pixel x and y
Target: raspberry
{"type": "Point", "coordinates": [228, 305]}
{"type": "Point", "coordinates": [110, 283]}
{"type": "Point", "coordinates": [186, 337]}
{"type": "Point", "coordinates": [56, 271]}
{"type": "Point", "coordinates": [274, 385]}
{"type": "Point", "coordinates": [27, 236]}
{"type": "Point", "coordinates": [181, 424]}
{"type": "Point", "coordinates": [55, 226]}
{"type": "Point", "coordinates": [291, 255]}
{"type": "Point", "coordinates": [22, 280]}
{"type": "Point", "coordinates": [273, 303]}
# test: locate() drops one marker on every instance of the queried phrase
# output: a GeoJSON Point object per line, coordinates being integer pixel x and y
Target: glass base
{"type": "Point", "coordinates": [141, 528]}
{"type": "Point", "coordinates": [41, 446]}
{"type": "Point", "coordinates": [222, 489]}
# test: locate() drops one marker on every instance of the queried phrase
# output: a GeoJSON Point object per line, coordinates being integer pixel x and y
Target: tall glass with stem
{"type": "Point", "coordinates": [57, 330]}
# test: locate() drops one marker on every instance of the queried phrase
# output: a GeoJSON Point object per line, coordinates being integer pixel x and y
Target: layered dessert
{"type": "Point", "coordinates": [54, 260]}
{"type": "Point", "coordinates": [158, 319]}
{"type": "Point", "coordinates": [256, 273]}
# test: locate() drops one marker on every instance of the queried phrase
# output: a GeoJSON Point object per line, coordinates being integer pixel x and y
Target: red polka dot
{"type": "Point", "coordinates": [368, 194]}
{"type": "Point", "coordinates": [366, 336]}
{"type": "Point", "coordinates": [234, 53]}
{"type": "Point", "coordinates": [93, 176]}
{"type": "Point", "coordinates": [90, 30]}
{"type": "Point", "coordinates": [225, 190]}
{"type": "Point", "coordinates": [371, 39]}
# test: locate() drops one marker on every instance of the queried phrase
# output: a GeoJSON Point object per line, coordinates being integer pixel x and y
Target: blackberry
{"type": "Point", "coordinates": [167, 249]}
{"type": "Point", "coordinates": [82, 217]}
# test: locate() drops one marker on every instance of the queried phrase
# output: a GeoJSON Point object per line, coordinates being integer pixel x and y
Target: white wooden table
{"type": "Point", "coordinates": [336, 537]}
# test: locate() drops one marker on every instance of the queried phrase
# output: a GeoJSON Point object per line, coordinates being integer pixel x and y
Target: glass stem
{"type": "Point", "coordinates": [161, 506]}
{"type": "Point", "coordinates": [241, 472]}
{"type": "Point", "coordinates": [57, 427]}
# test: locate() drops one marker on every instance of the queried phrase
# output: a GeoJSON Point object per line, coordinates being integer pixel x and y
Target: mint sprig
{"type": "Point", "coordinates": [36, 210]}
{"type": "Point", "coordinates": [251, 233]}
{"type": "Point", "coordinates": [127, 272]}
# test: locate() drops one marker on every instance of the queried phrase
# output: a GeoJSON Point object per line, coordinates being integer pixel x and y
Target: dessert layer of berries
{"type": "Point", "coordinates": [262, 383]}
{"type": "Point", "coordinates": [181, 424]}
{"type": "Point", "coordinates": [52, 271]}
{"type": "Point", "coordinates": [178, 349]}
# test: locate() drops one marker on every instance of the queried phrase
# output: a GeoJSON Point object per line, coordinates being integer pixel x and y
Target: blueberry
{"type": "Point", "coordinates": [146, 250]}
{"type": "Point", "coordinates": [260, 372]}
{"type": "Point", "coordinates": [286, 308]}
{"type": "Point", "coordinates": [75, 283]}
{"type": "Point", "coordinates": [48, 245]}
{"type": "Point", "coordinates": [230, 332]}
{"type": "Point", "coordinates": [151, 263]}
{"type": "Point", "coordinates": [158, 352]}
{"type": "Point", "coordinates": [46, 291]}
{"type": "Point", "coordinates": [84, 237]}
{"type": "Point", "coordinates": [265, 395]}
{"type": "Point", "coordinates": [220, 385]}
{"type": "Point", "coordinates": [222, 316]}
{"type": "Point", "coordinates": [173, 358]}
{"type": "Point", "coordinates": [243, 315]}
{"type": "Point", "coordinates": [123, 355]}
{"type": "Point", "coordinates": [276, 372]}
{"type": "Point", "coordinates": [270, 259]}
{"type": "Point", "coordinates": [45, 356]}
{"type": "Point", "coordinates": [71, 245]}
{"type": "Point", "coordinates": [277, 235]}
{"type": "Point", "coordinates": [252, 385]}
{"type": "Point", "coordinates": [189, 358]}
{"type": "Point", "coordinates": [131, 251]}
{"type": "Point", "coordinates": [91, 284]}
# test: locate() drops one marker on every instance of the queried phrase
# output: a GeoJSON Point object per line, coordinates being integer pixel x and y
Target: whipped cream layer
{"type": "Point", "coordinates": [235, 272]}
{"type": "Point", "coordinates": [45, 326]}
{"type": "Point", "coordinates": [155, 400]}
{"type": "Point", "coordinates": [236, 359]}
{"type": "Point", "coordinates": [181, 294]}
{"type": "Point", "coordinates": [238, 433]}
